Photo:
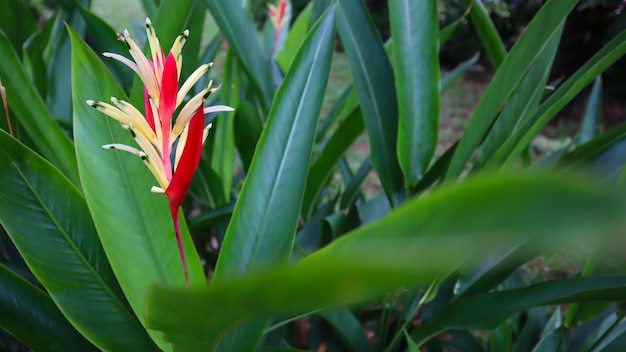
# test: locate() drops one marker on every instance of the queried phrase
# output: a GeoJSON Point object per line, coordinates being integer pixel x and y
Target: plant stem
{"type": "Point", "coordinates": [179, 241]}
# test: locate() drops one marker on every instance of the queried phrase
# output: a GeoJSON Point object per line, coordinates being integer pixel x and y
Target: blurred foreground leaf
{"type": "Point", "coordinates": [414, 244]}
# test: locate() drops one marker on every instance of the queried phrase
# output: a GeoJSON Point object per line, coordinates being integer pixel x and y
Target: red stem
{"type": "Point", "coordinates": [179, 241]}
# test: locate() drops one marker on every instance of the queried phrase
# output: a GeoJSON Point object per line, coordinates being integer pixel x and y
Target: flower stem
{"type": "Point", "coordinates": [179, 240]}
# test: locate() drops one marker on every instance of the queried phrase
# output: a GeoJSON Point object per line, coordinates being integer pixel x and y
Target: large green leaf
{"type": "Point", "coordinates": [487, 311]}
{"type": "Point", "coordinates": [486, 29]}
{"type": "Point", "coordinates": [514, 146]}
{"type": "Point", "coordinates": [590, 124]}
{"type": "Point", "coordinates": [264, 222]}
{"type": "Point", "coordinates": [192, 49]}
{"type": "Point", "coordinates": [593, 148]}
{"type": "Point", "coordinates": [107, 41]}
{"type": "Point", "coordinates": [33, 115]}
{"type": "Point", "coordinates": [524, 53]}
{"type": "Point", "coordinates": [48, 220]}
{"type": "Point", "coordinates": [133, 224]}
{"type": "Point", "coordinates": [242, 38]}
{"type": "Point", "coordinates": [266, 213]}
{"type": "Point", "coordinates": [322, 170]}
{"type": "Point", "coordinates": [523, 103]}
{"type": "Point", "coordinates": [415, 32]}
{"type": "Point", "coordinates": [414, 244]}
{"type": "Point", "coordinates": [248, 128]}
{"type": "Point", "coordinates": [375, 88]}
{"type": "Point", "coordinates": [58, 100]}
{"type": "Point", "coordinates": [17, 23]}
{"type": "Point", "coordinates": [171, 20]}
{"type": "Point", "coordinates": [223, 157]}
{"type": "Point", "coordinates": [348, 328]}
{"type": "Point", "coordinates": [31, 316]}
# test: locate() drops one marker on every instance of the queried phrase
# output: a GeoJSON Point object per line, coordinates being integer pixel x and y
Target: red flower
{"type": "Point", "coordinates": [157, 132]}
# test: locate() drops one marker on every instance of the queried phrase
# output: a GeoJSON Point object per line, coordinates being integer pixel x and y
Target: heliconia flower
{"type": "Point", "coordinates": [157, 132]}
{"type": "Point", "coordinates": [279, 15]}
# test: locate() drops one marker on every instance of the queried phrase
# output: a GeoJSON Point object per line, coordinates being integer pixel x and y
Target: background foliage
{"type": "Point", "coordinates": [422, 241]}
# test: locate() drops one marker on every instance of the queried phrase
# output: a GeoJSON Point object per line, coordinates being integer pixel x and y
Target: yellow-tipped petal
{"type": "Point", "coordinates": [111, 111]}
{"type": "Point", "coordinates": [205, 133]}
{"type": "Point", "coordinates": [143, 66]}
{"type": "Point", "coordinates": [191, 81]}
{"type": "Point", "coordinates": [182, 141]}
{"type": "Point", "coordinates": [123, 59]}
{"type": "Point", "coordinates": [157, 122]}
{"type": "Point", "coordinates": [136, 118]}
{"type": "Point", "coordinates": [148, 148]}
{"type": "Point", "coordinates": [155, 49]}
{"type": "Point", "coordinates": [126, 148]}
{"type": "Point", "coordinates": [177, 48]}
{"type": "Point", "coordinates": [186, 113]}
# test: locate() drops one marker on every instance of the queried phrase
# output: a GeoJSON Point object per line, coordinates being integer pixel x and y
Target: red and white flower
{"type": "Point", "coordinates": [157, 132]}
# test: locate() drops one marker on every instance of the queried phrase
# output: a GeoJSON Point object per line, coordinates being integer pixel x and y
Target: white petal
{"type": "Point", "coordinates": [187, 112]}
{"type": "Point", "coordinates": [125, 148]}
{"type": "Point", "coordinates": [217, 108]}
{"type": "Point", "coordinates": [123, 59]}
{"type": "Point", "coordinates": [189, 83]}
{"type": "Point", "coordinates": [136, 118]}
{"type": "Point", "coordinates": [156, 189]}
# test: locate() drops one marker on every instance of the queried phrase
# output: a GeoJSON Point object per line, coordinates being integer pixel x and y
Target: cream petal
{"type": "Point", "coordinates": [136, 119]}
{"type": "Point", "coordinates": [191, 81]}
{"type": "Point", "coordinates": [217, 108]}
{"type": "Point", "coordinates": [186, 113]}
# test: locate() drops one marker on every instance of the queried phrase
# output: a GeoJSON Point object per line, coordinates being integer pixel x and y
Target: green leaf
{"type": "Point", "coordinates": [415, 32]}
{"type": "Point", "coordinates": [447, 31]}
{"type": "Point", "coordinates": [513, 147]}
{"type": "Point", "coordinates": [266, 213]}
{"type": "Point", "coordinates": [523, 103]}
{"type": "Point", "coordinates": [487, 32]}
{"type": "Point", "coordinates": [486, 311]}
{"type": "Point", "coordinates": [413, 347]}
{"type": "Point", "coordinates": [107, 41]}
{"type": "Point", "coordinates": [17, 23]}
{"type": "Point", "coordinates": [58, 100]}
{"type": "Point", "coordinates": [191, 51]}
{"type": "Point", "coordinates": [223, 158]}
{"type": "Point", "coordinates": [242, 38]}
{"type": "Point", "coordinates": [413, 245]}
{"type": "Point", "coordinates": [31, 316]}
{"type": "Point", "coordinates": [48, 220]}
{"type": "Point", "coordinates": [524, 53]}
{"type": "Point", "coordinates": [33, 114]}
{"type": "Point", "coordinates": [150, 7]}
{"type": "Point", "coordinates": [593, 148]}
{"type": "Point", "coordinates": [348, 328]}
{"type": "Point", "coordinates": [319, 6]}
{"type": "Point", "coordinates": [171, 19]}
{"type": "Point", "coordinates": [248, 128]}
{"type": "Point", "coordinates": [133, 224]}
{"type": "Point", "coordinates": [33, 57]}
{"type": "Point", "coordinates": [457, 72]}
{"type": "Point", "coordinates": [589, 128]}
{"type": "Point", "coordinates": [375, 88]}
{"type": "Point", "coordinates": [323, 168]}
